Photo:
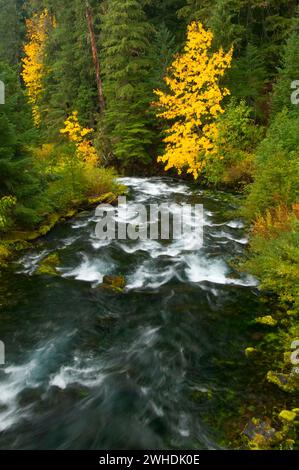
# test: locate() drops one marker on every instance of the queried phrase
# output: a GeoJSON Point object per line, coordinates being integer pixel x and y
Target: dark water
{"type": "Point", "coordinates": [157, 366]}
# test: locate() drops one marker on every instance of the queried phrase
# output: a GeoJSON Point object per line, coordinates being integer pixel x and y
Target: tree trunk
{"type": "Point", "coordinates": [95, 57]}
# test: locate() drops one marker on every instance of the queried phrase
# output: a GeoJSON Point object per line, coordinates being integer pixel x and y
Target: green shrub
{"type": "Point", "coordinates": [277, 167]}
{"type": "Point", "coordinates": [288, 72]}
{"type": "Point", "coordinates": [97, 181]}
{"type": "Point", "coordinates": [26, 217]}
{"type": "Point", "coordinates": [275, 261]}
{"type": "Point", "coordinates": [237, 139]}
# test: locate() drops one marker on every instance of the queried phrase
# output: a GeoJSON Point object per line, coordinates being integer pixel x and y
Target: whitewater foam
{"type": "Point", "coordinates": [89, 270]}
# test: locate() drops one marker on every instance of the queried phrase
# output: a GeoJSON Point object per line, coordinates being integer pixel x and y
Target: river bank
{"type": "Point", "coordinates": [16, 241]}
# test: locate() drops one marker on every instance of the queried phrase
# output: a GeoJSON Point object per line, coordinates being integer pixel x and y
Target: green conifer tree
{"type": "Point", "coordinates": [17, 176]}
{"type": "Point", "coordinates": [11, 30]}
{"type": "Point", "coordinates": [288, 74]}
{"type": "Point", "coordinates": [69, 83]}
{"type": "Point", "coordinates": [127, 86]}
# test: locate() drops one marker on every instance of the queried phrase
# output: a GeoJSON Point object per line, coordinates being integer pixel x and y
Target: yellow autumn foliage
{"type": "Point", "coordinates": [33, 62]}
{"type": "Point", "coordinates": [193, 102]}
{"type": "Point", "coordinates": [77, 134]}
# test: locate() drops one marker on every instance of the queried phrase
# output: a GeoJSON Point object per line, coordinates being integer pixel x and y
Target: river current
{"type": "Point", "coordinates": [157, 366]}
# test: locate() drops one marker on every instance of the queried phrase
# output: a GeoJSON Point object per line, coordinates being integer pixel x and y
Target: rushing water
{"type": "Point", "coordinates": [156, 366]}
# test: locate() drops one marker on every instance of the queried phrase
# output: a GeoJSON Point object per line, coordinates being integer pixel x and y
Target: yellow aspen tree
{"type": "Point", "coordinates": [33, 62]}
{"type": "Point", "coordinates": [77, 134]}
{"type": "Point", "coordinates": [193, 102]}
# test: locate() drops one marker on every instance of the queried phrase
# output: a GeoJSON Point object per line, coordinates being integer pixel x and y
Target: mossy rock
{"type": "Point", "coordinates": [21, 236]}
{"type": "Point", "coordinates": [48, 266]}
{"type": "Point", "coordinates": [9, 248]}
{"type": "Point", "coordinates": [260, 435]}
{"type": "Point", "coordinates": [267, 320]}
{"type": "Point", "coordinates": [83, 214]}
{"type": "Point", "coordinates": [107, 198]}
{"type": "Point", "coordinates": [21, 245]}
{"type": "Point", "coordinates": [71, 213]}
{"type": "Point", "coordinates": [288, 416]}
{"type": "Point", "coordinates": [51, 222]}
{"type": "Point", "coordinates": [114, 283]}
{"type": "Point", "coordinates": [286, 382]}
{"type": "Point", "coordinates": [5, 254]}
{"type": "Point", "coordinates": [249, 352]}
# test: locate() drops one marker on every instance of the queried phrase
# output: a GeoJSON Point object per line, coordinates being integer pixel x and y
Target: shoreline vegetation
{"type": "Point", "coordinates": [203, 91]}
{"type": "Point", "coordinates": [16, 241]}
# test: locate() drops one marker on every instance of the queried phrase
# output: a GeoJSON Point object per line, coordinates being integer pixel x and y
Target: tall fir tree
{"type": "Point", "coordinates": [247, 79]}
{"type": "Point", "coordinates": [125, 53]}
{"type": "Point", "coordinates": [11, 30]}
{"type": "Point", "coordinates": [288, 75]}
{"type": "Point", "coordinates": [17, 178]}
{"type": "Point", "coordinates": [166, 13]}
{"type": "Point", "coordinates": [71, 84]}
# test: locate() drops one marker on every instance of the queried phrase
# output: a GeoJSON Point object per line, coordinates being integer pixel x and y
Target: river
{"type": "Point", "coordinates": [159, 365]}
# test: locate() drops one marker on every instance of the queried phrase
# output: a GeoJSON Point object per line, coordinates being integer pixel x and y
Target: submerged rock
{"type": "Point", "coordinates": [29, 395]}
{"type": "Point", "coordinates": [106, 322]}
{"type": "Point", "coordinates": [201, 394]}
